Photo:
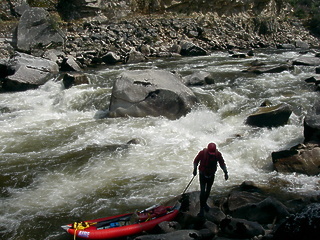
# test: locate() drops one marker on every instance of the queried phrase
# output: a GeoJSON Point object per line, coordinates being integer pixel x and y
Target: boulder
{"type": "Point", "coordinates": [240, 228]}
{"type": "Point", "coordinates": [110, 58]}
{"type": "Point", "coordinates": [37, 28]}
{"type": "Point", "coordinates": [262, 68]}
{"type": "Point", "coordinates": [264, 212]}
{"type": "Point", "coordinates": [166, 227]}
{"type": "Point", "coordinates": [136, 57]}
{"type": "Point", "coordinates": [177, 235]}
{"type": "Point", "coordinates": [190, 49]}
{"type": "Point", "coordinates": [270, 116]}
{"type": "Point", "coordinates": [306, 61]}
{"type": "Point", "coordinates": [215, 215]}
{"type": "Point", "coordinates": [313, 80]}
{"type": "Point", "coordinates": [72, 79]}
{"type": "Point", "coordinates": [27, 72]}
{"type": "Point", "coordinates": [70, 64]}
{"type": "Point", "coordinates": [312, 124]}
{"type": "Point", "coordinates": [301, 44]}
{"type": "Point", "coordinates": [238, 199]}
{"type": "Point", "coordinates": [286, 46]}
{"type": "Point", "coordinates": [303, 225]}
{"type": "Point", "coordinates": [198, 79]}
{"type": "Point", "coordinates": [301, 159]}
{"type": "Point", "coordinates": [142, 93]}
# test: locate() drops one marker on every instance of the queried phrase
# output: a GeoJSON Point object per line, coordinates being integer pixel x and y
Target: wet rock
{"type": "Point", "coordinates": [239, 55]}
{"type": "Point", "coordinates": [36, 29]}
{"type": "Point", "coordinates": [302, 158]}
{"type": "Point", "coordinates": [313, 80]}
{"type": "Point", "coordinates": [264, 212]}
{"type": "Point", "coordinates": [4, 110]}
{"type": "Point", "coordinates": [198, 79]}
{"type": "Point", "coordinates": [190, 49]}
{"type": "Point", "coordinates": [306, 61]}
{"type": "Point", "coordinates": [28, 72]}
{"type": "Point", "coordinates": [312, 124]}
{"type": "Point", "coordinates": [150, 93]}
{"type": "Point", "coordinates": [260, 68]}
{"type": "Point", "coordinates": [240, 228]}
{"type": "Point", "coordinates": [73, 79]}
{"type": "Point", "coordinates": [273, 116]}
{"type": "Point", "coordinates": [303, 225]}
{"type": "Point", "coordinates": [286, 46]}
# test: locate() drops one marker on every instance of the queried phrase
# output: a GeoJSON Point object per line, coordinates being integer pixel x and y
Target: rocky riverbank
{"type": "Point", "coordinates": [247, 212]}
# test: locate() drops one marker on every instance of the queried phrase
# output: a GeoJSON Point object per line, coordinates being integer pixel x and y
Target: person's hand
{"type": "Point", "coordinates": [194, 172]}
{"type": "Point", "coordinates": [226, 176]}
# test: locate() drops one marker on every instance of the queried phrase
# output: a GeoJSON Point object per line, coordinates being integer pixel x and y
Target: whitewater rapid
{"type": "Point", "coordinates": [61, 163]}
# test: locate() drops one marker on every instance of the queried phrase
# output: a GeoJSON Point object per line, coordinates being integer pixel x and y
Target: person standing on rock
{"type": "Point", "coordinates": [208, 159]}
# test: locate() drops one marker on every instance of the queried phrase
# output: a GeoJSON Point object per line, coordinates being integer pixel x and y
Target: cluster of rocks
{"type": "Point", "coordinates": [305, 157]}
{"type": "Point", "coordinates": [247, 212]}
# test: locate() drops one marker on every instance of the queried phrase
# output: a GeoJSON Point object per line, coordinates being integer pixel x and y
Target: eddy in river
{"type": "Point", "coordinates": [208, 159]}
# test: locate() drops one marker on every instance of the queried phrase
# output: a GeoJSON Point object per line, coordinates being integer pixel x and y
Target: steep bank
{"type": "Point", "coordinates": [94, 28]}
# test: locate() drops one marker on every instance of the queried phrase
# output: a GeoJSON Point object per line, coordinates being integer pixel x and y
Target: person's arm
{"type": "Point", "coordinates": [195, 163]}
{"type": "Point", "coordinates": [223, 166]}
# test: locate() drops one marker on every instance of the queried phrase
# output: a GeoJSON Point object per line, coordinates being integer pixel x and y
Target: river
{"type": "Point", "coordinates": [60, 163]}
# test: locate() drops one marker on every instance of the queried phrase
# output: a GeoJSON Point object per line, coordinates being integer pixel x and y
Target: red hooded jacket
{"type": "Point", "coordinates": [209, 160]}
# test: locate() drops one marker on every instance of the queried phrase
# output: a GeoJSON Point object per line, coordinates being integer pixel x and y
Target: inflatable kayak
{"type": "Point", "coordinates": [122, 225]}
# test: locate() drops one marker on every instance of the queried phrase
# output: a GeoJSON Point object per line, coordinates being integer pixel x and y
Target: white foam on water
{"type": "Point", "coordinates": [59, 159]}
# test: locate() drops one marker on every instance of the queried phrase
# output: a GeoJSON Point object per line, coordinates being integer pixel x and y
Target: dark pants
{"type": "Point", "coordinates": [205, 188]}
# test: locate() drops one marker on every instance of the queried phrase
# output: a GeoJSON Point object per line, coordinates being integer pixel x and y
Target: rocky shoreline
{"type": "Point", "coordinates": [247, 212]}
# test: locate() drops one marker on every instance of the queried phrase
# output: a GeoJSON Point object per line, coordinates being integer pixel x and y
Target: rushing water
{"type": "Point", "coordinates": [60, 163]}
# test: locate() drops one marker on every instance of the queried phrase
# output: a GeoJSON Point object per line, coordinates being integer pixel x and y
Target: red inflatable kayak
{"type": "Point", "coordinates": [122, 225]}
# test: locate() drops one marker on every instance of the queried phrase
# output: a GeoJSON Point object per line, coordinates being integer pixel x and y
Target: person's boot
{"type": "Point", "coordinates": [201, 213]}
{"type": "Point", "coordinates": [206, 208]}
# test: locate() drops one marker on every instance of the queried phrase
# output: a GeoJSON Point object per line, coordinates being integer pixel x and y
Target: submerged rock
{"type": "Point", "coordinates": [143, 93]}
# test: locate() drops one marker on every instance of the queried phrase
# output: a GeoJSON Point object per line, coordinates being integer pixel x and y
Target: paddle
{"type": "Point", "coordinates": [188, 185]}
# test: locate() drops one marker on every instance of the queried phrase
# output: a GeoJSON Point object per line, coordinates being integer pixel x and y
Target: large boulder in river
{"type": "Point", "coordinates": [270, 116]}
{"type": "Point", "coordinates": [301, 159]}
{"type": "Point", "coordinates": [37, 28]}
{"type": "Point", "coordinates": [143, 93]}
{"type": "Point", "coordinates": [27, 72]}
